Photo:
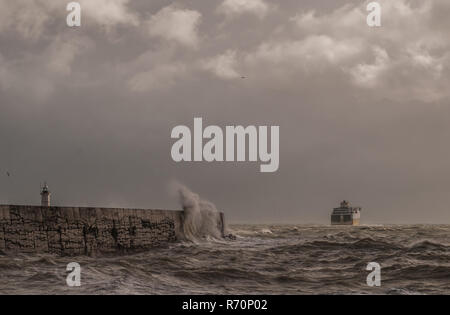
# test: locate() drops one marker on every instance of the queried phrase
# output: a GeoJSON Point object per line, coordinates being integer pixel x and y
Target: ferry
{"type": "Point", "coordinates": [346, 215]}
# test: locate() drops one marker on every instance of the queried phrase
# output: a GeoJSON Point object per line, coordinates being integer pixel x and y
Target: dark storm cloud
{"type": "Point", "coordinates": [363, 113]}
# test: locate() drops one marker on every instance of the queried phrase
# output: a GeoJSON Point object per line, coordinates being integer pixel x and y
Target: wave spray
{"type": "Point", "coordinates": [201, 217]}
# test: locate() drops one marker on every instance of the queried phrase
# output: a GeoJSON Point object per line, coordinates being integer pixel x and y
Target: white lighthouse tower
{"type": "Point", "coordinates": [45, 196]}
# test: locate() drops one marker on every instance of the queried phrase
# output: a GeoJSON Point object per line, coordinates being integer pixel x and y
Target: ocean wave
{"type": "Point", "coordinates": [427, 245]}
{"type": "Point", "coordinates": [287, 260]}
{"type": "Point", "coordinates": [419, 271]}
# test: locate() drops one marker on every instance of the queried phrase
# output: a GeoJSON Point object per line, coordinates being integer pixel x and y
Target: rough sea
{"type": "Point", "coordinates": [264, 259]}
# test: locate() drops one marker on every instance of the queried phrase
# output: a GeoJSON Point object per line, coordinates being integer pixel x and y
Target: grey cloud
{"type": "Point", "coordinates": [160, 77]}
{"type": "Point", "coordinates": [223, 66]}
{"type": "Point", "coordinates": [173, 23]}
{"type": "Point", "coordinates": [233, 8]}
{"type": "Point", "coordinates": [32, 19]}
{"type": "Point", "coordinates": [40, 73]}
{"type": "Point", "coordinates": [337, 40]}
{"type": "Point", "coordinates": [27, 18]}
{"type": "Point", "coordinates": [109, 12]}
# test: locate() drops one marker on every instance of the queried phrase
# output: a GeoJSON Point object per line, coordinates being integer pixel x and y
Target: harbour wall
{"type": "Point", "coordinates": [87, 231]}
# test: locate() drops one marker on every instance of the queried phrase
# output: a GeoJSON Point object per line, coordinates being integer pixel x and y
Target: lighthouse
{"type": "Point", "coordinates": [45, 196]}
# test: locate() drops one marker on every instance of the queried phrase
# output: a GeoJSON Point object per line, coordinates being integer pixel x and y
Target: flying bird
{"type": "Point", "coordinates": [7, 173]}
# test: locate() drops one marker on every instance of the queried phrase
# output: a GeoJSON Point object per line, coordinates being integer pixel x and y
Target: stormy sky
{"type": "Point", "coordinates": [364, 113]}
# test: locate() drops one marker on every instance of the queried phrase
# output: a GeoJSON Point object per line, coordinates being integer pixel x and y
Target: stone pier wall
{"type": "Point", "coordinates": [85, 231]}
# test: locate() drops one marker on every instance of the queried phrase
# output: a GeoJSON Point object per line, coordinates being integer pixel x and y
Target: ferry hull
{"type": "Point", "coordinates": [344, 220]}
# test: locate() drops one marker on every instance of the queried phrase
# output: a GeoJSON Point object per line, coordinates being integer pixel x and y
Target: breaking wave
{"type": "Point", "coordinates": [201, 217]}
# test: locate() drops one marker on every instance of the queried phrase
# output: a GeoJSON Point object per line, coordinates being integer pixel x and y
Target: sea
{"type": "Point", "coordinates": [259, 259]}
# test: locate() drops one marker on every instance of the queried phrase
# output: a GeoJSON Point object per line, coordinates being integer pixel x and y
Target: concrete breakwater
{"type": "Point", "coordinates": [86, 231]}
